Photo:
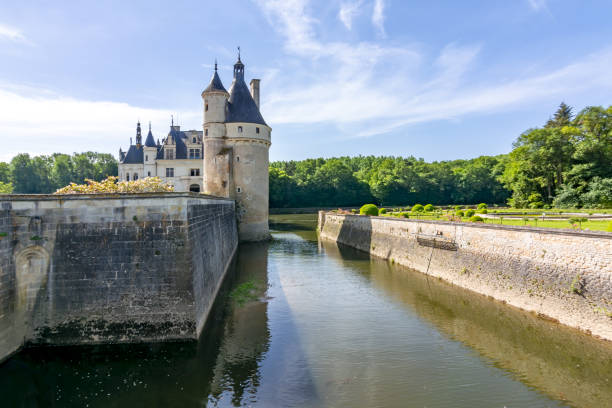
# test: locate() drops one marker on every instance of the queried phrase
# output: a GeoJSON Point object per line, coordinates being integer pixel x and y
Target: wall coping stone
{"type": "Point", "coordinates": [106, 196]}
{"type": "Point", "coordinates": [517, 228]}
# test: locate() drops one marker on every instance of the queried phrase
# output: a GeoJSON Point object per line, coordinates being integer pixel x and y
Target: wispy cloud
{"type": "Point", "coordinates": [538, 5]}
{"type": "Point", "coordinates": [45, 122]}
{"type": "Point", "coordinates": [378, 17]}
{"type": "Point", "coordinates": [11, 34]}
{"type": "Point", "coordinates": [367, 88]}
{"type": "Point", "coordinates": [348, 11]}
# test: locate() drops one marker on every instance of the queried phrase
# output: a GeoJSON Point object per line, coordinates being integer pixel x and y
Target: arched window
{"type": "Point", "coordinates": [148, 174]}
{"type": "Point", "coordinates": [194, 139]}
{"type": "Point", "coordinates": [194, 188]}
{"type": "Point", "coordinates": [239, 129]}
{"type": "Point", "coordinates": [135, 176]}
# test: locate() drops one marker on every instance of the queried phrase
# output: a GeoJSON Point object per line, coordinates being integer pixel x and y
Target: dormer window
{"type": "Point", "coordinates": [169, 154]}
{"type": "Point", "coordinates": [194, 139]}
{"type": "Point", "coordinates": [239, 129]}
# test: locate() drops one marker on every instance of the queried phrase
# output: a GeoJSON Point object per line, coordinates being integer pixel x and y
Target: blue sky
{"type": "Point", "coordinates": [437, 79]}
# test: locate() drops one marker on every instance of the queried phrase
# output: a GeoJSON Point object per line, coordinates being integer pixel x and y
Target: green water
{"type": "Point", "coordinates": [308, 324]}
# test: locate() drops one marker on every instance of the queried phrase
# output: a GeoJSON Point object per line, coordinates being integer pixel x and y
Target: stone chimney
{"type": "Point", "coordinates": [255, 91]}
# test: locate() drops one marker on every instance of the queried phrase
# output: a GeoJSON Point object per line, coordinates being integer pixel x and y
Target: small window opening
{"type": "Point", "coordinates": [237, 158]}
{"type": "Point", "coordinates": [238, 189]}
{"type": "Point", "coordinates": [256, 130]}
{"type": "Point", "coordinates": [194, 140]}
{"type": "Point", "coordinates": [135, 176]}
{"type": "Point", "coordinates": [205, 132]}
{"type": "Point", "coordinates": [239, 129]}
{"type": "Point", "coordinates": [148, 174]}
{"type": "Point", "coordinates": [127, 176]}
{"type": "Point", "coordinates": [206, 108]}
{"type": "Point", "coordinates": [147, 157]}
{"type": "Point", "coordinates": [169, 172]}
{"type": "Point", "coordinates": [195, 172]}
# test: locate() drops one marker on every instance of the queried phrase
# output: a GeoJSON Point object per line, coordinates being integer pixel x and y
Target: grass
{"type": "Point", "coordinates": [592, 225]}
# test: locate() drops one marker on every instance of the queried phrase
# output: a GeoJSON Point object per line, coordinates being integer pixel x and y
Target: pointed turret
{"type": "Point", "coordinates": [150, 141]}
{"type": "Point", "coordinates": [215, 84]}
{"type": "Point", "coordinates": [138, 135]}
{"type": "Point", "coordinates": [242, 107]}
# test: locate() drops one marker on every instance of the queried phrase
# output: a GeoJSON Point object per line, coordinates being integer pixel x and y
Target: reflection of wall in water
{"type": "Point", "coordinates": [560, 361]}
{"type": "Point", "coordinates": [246, 335]}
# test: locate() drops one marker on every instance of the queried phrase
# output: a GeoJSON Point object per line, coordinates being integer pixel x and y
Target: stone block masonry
{"type": "Point", "coordinates": [559, 274]}
{"type": "Point", "coordinates": [110, 268]}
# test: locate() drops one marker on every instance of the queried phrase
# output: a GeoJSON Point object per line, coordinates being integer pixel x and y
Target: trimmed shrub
{"type": "Point", "coordinates": [609, 226]}
{"type": "Point", "coordinates": [417, 208]}
{"type": "Point", "coordinates": [382, 211]}
{"type": "Point", "coordinates": [483, 211]}
{"type": "Point", "coordinates": [457, 207]}
{"type": "Point", "coordinates": [469, 213]}
{"type": "Point", "coordinates": [459, 213]}
{"type": "Point", "coordinates": [482, 206]}
{"type": "Point", "coordinates": [368, 209]}
{"type": "Point", "coordinates": [476, 218]}
{"type": "Point", "coordinates": [429, 208]}
{"type": "Point", "coordinates": [406, 215]}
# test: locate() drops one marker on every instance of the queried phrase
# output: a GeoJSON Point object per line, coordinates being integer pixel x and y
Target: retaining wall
{"type": "Point", "coordinates": [110, 268]}
{"type": "Point", "coordinates": [564, 275]}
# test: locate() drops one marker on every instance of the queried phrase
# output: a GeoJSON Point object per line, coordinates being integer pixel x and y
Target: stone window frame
{"type": "Point", "coordinates": [195, 172]}
{"type": "Point", "coordinates": [169, 172]}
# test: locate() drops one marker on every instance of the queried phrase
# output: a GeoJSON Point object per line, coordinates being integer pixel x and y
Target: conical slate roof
{"type": "Point", "coordinates": [150, 142]}
{"type": "Point", "coordinates": [215, 84]}
{"type": "Point", "coordinates": [241, 106]}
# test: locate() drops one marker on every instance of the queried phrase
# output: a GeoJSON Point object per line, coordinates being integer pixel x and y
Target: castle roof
{"type": "Point", "coordinates": [180, 140]}
{"type": "Point", "coordinates": [215, 83]}
{"type": "Point", "coordinates": [241, 106]}
{"type": "Point", "coordinates": [134, 155]}
{"type": "Point", "coordinates": [150, 141]}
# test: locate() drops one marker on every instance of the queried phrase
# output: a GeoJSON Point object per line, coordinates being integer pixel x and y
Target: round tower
{"type": "Point", "coordinates": [216, 163]}
{"type": "Point", "coordinates": [248, 137]}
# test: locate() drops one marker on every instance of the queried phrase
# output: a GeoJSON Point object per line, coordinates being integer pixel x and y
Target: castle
{"type": "Point", "coordinates": [229, 158]}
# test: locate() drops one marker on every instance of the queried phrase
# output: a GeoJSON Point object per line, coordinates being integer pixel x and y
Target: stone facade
{"type": "Point", "coordinates": [565, 275]}
{"type": "Point", "coordinates": [177, 159]}
{"type": "Point", "coordinates": [109, 268]}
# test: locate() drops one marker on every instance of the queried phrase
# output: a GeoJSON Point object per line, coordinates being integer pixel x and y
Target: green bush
{"type": "Point", "coordinates": [417, 208]}
{"type": "Point", "coordinates": [457, 207]}
{"type": "Point", "coordinates": [406, 215]}
{"type": "Point", "coordinates": [482, 206]}
{"type": "Point", "coordinates": [368, 209]}
{"type": "Point", "coordinates": [610, 226]}
{"type": "Point", "coordinates": [353, 210]}
{"type": "Point", "coordinates": [476, 218]}
{"type": "Point", "coordinates": [483, 211]}
{"type": "Point", "coordinates": [469, 213]}
{"type": "Point", "coordinates": [459, 213]}
{"type": "Point", "coordinates": [382, 211]}
{"type": "Point", "coordinates": [429, 208]}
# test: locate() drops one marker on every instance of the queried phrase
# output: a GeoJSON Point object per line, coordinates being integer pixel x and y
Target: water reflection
{"type": "Point", "coordinates": [307, 324]}
{"type": "Point", "coordinates": [562, 362]}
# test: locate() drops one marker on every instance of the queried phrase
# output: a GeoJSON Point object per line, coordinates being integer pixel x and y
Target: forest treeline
{"type": "Point", "coordinates": [565, 163]}
{"type": "Point", "coordinates": [45, 174]}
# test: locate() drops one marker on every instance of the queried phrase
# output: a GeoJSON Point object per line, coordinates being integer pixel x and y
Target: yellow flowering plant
{"type": "Point", "coordinates": [111, 185]}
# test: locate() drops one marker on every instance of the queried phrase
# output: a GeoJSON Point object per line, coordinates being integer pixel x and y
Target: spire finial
{"type": "Point", "coordinates": [238, 53]}
{"type": "Point", "coordinates": [172, 117]}
{"type": "Point", "coordinates": [149, 126]}
{"type": "Point", "coordinates": [215, 65]}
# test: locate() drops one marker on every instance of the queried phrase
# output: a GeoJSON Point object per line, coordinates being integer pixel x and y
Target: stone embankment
{"type": "Point", "coordinates": [561, 275]}
{"type": "Point", "coordinates": [110, 268]}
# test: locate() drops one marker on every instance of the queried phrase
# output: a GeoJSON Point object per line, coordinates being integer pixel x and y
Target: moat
{"type": "Point", "coordinates": [309, 324]}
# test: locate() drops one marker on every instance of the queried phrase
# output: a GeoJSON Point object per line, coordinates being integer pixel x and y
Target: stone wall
{"type": "Point", "coordinates": [561, 274]}
{"type": "Point", "coordinates": [110, 268]}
